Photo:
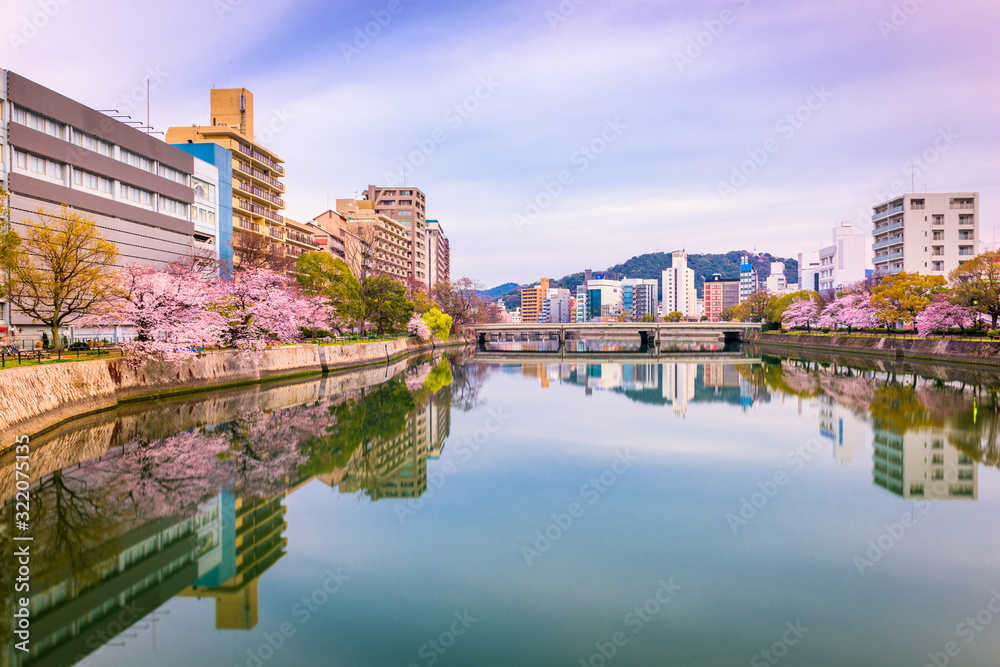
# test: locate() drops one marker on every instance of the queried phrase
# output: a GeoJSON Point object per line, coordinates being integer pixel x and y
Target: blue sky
{"type": "Point", "coordinates": [586, 132]}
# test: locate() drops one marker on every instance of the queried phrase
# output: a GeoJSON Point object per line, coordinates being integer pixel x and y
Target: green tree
{"type": "Point", "coordinates": [63, 269]}
{"type": "Point", "coordinates": [439, 323]}
{"type": "Point", "coordinates": [323, 275]}
{"type": "Point", "coordinates": [648, 317]}
{"type": "Point", "coordinates": [675, 316]}
{"type": "Point", "coordinates": [976, 284]}
{"type": "Point", "coordinates": [903, 296]}
{"type": "Point", "coordinates": [385, 304]}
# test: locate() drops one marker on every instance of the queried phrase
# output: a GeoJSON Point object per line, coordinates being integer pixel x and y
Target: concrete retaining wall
{"type": "Point", "coordinates": [35, 398]}
{"type": "Point", "coordinates": [960, 351]}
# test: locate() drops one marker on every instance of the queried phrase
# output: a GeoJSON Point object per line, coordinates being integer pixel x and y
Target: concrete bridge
{"type": "Point", "coordinates": [649, 334]}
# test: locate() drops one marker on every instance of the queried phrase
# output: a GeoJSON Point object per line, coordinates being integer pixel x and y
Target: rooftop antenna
{"type": "Point", "coordinates": [149, 125]}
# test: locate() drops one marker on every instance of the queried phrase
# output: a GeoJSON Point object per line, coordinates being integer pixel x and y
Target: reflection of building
{"type": "Point", "coordinates": [637, 377]}
{"type": "Point", "coordinates": [252, 541]}
{"type": "Point", "coordinates": [75, 615]}
{"type": "Point", "coordinates": [921, 464]}
{"type": "Point", "coordinates": [396, 467]}
{"type": "Point", "coordinates": [721, 375]}
{"type": "Point", "coordinates": [842, 428]}
{"type": "Point", "coordinates": [679, 385]}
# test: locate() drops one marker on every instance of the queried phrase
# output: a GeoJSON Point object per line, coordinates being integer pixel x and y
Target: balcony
{"type": "Point", "coordinates": [896, 240]}
{"type": "Point", "coordinates": [261, 176]}
{"type": "Point", "coordinates": [890, 227]}
{"type": "Point", "coordinates": [886, 214]}
{"type": "Point", "coordinates": [263, 159]}
{"type": "Point", "coordinates": [878, 259]}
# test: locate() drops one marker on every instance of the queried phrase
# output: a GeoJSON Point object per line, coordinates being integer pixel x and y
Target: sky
{"type": "Point", "coordinates": [552, 136]}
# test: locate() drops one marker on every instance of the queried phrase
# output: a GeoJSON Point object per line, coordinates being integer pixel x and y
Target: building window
{"type": "Point", "coordinates": [91, 181]}
{"type": "Point", "coordinates": [136, 195]}
{"type": "Point", "coordinates": [965, 251]}
{"type": "Point", "coordinates": [966, 235]}
{"type": "Point", "coordinates": [937, 219]}
{"type": "Point", "coordinates": [937, 266]}
{"type": "Point", "coordinates": [963, 203]}
{"type": "Point", "coordinates": [128, 157]}
{"type": "Point", "coordinates": [39, 165]}
{"type": "Point", "coordinates": [966, 219]}
{"type": "Point", "coordinates": [939, 235]}
{"type": "Point", "coordinates": [173, 175]}
{"type": "Point", "coordinates": [40, 123]}
{"type": "Point", "coordinates": [20, 159]}
{"type": "Point", "coordinates": [916, 204]}
{"type": "Point", "coordinates": [91, 143]}
{"type": "Point", "coordinates": [203, 190]}
{"type": "Point", "coordinates": [173, 207]}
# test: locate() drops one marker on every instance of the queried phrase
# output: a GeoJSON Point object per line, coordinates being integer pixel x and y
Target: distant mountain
{"type": "Point", "coordinates": [495, 293]}
{"type": "Point", "coordinates": [652, 265]}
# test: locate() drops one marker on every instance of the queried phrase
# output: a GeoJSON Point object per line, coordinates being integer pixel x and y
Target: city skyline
{"type": "Point", "coordinates": [546, 79]}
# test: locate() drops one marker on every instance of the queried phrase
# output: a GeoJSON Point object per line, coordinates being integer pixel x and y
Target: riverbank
{"type": "Point", "coordinates": [37, 398]}
{"type": "Point", "coordinates": [917, 349]}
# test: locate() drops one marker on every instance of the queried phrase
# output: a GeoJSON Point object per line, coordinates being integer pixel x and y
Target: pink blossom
{"type": "Point", "coordinates": [802, 313]}
{"type": "Point", "coordinates": [417, 327]}
{"type": "Point", "coordinates": [262, 305]}
{"type": "Point", "coordinates": [850, 311]}
{"type": "Point", "coordinates": [943, 314]}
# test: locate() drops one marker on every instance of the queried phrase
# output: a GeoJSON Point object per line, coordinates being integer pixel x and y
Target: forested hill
{"type": "Point", "coordinates": [652, 265]}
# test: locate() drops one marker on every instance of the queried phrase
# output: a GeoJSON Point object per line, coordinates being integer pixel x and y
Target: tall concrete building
{"type": "Point", "coordinates": [679, 293]}
{"type": "Point", "coordinates": [929, 233]}
{"type": "Point", "coordinates": [438, 255]}
{"type": "Point", "coordinates": [408, 206]}
{"type": "Point", "coordinates": [809, 267]}
{"type": "Point", "coordinates": [776, 282]}
{"type": "Point", "coordinates": [256, 170]}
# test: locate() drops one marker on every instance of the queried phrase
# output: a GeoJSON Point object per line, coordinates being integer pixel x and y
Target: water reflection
{"type": "Point", "coordinates": [188, 499]}
{"type": "Point", "coordinates": [200, 513]}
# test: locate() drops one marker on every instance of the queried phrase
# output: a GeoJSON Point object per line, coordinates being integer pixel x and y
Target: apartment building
{"type": "Point", "coordinates": [209, 193]}
{"type": "Point", "coordinates": [532, 301]}
{"type": "Point", "coordinates": [298, 238]}
{"type": "Point", "coordinates": [928, 233]}
{"type": "Point", "coordinates": [438, 255]}
{"type": "Point", "coordinates": [605, 297]}
{"type": "Point", "coordinates": [328, 230]}
{"type": "Point", "coordinates": [844, 262]}
{"type": "Point", "coordinates": [256, 171]}
{"type": "Point", "coordinates": [408, 206]}
{"type": "Point", "coordinates": [720, 294]}
{"type": "Point", "coordinates": [375, 240]}
{"type": "Point", "coordinates": [679, 293]}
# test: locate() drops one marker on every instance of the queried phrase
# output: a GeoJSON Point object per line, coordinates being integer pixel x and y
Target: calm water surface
{"type": "Point", "coordinates": [714, 510]}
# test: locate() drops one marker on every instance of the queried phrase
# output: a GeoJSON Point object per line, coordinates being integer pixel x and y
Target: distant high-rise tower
{"type": "Point", "coordinates": [748, 278]}
{"type": "Point", "coordinates": [679, 294]}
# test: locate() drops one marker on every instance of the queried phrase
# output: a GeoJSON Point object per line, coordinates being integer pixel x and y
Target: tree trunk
{"type": "Point", "coordinates": [56, 341]}
{"type": "Point", "coordinates": [995, 316]}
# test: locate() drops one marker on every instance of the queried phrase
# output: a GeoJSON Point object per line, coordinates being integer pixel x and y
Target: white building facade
{"type": "Point", "coordinates": [679, 293]}
{"type": "Point", "coordinates": [930, 233]}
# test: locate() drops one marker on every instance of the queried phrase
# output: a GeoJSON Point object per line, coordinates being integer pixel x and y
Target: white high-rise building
{"type": "Point", "coordinates": [679, 293]}
{"type": "Point", "coordinates": [929, 233]}
{"type": "Point", "coordinates": [776, 282]}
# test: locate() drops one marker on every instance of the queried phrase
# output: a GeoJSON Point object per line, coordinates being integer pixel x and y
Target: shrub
{"type": "Point", "coordinates": [80, 345]}
{"type": "Point", "coordinates": [993, 333]}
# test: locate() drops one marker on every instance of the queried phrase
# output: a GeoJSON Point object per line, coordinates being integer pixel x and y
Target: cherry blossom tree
{"type": "Point", "coordinates": [943, 314]}
{"type": "Point", "coordinates": [418, 327]}
{"type": "Point", "coordinates": [850, 311]}
{"type": "Point", "coordinates": [167, 309]}
{"type": "Point", "coordinates": [802, 313]}
{"type": "Point", "coordinates": [261, 305]}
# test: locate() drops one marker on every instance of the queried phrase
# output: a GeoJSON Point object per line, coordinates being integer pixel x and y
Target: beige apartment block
{"type": "Point", "coordinates": [298, 238]}
{"type": "Point", "coordinates": [257, 188]}
{"type": "Point", "coordinates": [374, 240]}
{"type": "Point", "coordinates": [930, 233]}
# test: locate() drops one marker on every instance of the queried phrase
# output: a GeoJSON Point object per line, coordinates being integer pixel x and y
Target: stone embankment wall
{"type": "Point", "coordinates": [35, 398]}
{"type": "Point", "coordinates": [960, 351]}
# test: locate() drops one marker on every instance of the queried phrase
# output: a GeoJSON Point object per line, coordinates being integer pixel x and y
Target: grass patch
{"type": "Point", "coordinates": [31, 358]}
